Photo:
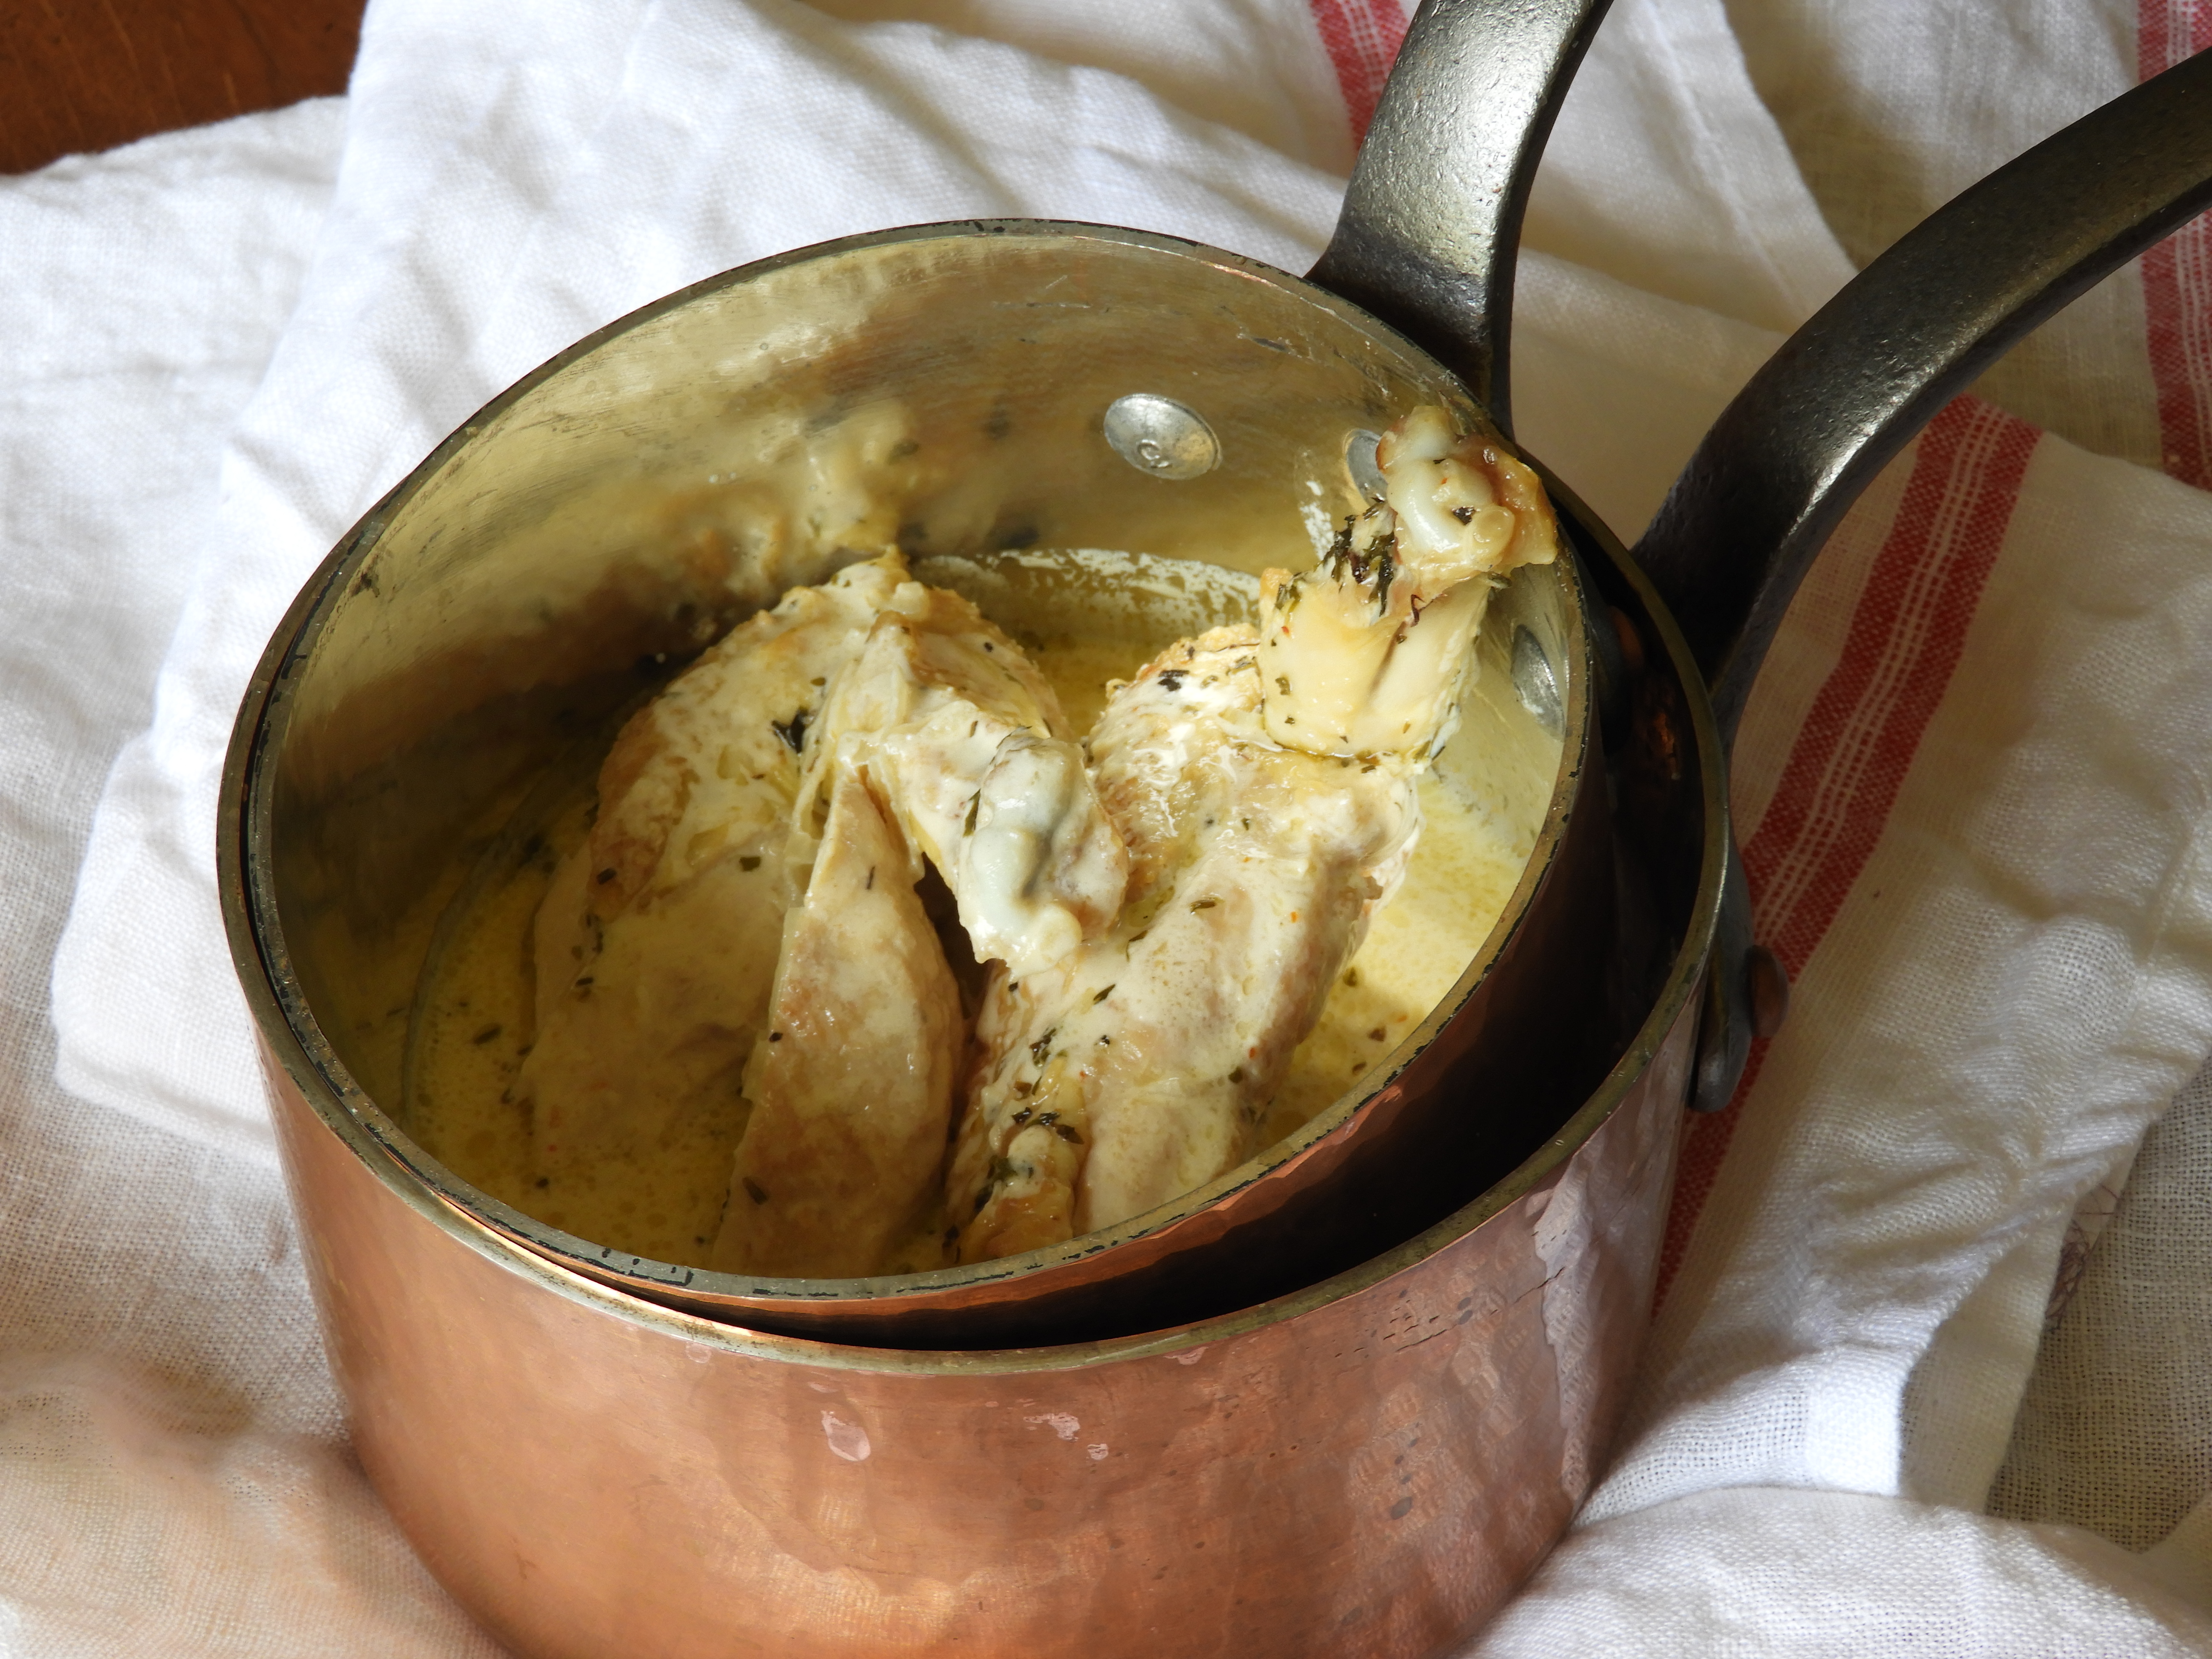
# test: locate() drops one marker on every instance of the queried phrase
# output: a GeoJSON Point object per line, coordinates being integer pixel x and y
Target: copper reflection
{"type": "Point", "coordinates": [1366, 1470]}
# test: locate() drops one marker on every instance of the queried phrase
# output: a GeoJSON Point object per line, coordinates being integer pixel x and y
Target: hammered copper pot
{"type": "Point", "coordinates": [1365, 1467]}
{"type": "Point", "coordinates": [1362, 1459]}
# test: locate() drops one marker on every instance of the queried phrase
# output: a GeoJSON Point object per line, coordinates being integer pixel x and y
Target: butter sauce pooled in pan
{"type": "Point", "coordinates": [767, 929]}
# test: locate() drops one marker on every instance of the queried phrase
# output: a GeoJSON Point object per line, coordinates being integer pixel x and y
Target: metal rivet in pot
{"type": "Point", "coordinates": [1359, 461]}
{"type": "Point", "coordinates": [1161, 436]}
{"type": "Point", "coordinates": [1537, 686]}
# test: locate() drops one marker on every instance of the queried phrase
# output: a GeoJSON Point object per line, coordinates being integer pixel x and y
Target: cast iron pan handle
{"type": "Point", "coordinates": [1852, 386]}
{"type": "Point", "coordinates": [1431, 220]}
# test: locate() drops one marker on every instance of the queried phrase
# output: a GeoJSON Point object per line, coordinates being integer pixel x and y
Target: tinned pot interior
{"type": "Point", "coordinates": [948, 391]}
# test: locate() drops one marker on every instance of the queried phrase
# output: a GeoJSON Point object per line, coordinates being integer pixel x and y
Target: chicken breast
{"type": "Point", "coordinates": [655, 949]}
{"type": "Point", "coordinates": [1364, 655]}
{"type": "Point", "coordinates": [938, 742]}
{"type": "Point", "coordinates": [1138, 1068]}
{"type": "Point", "coordinates": [852, 1085]}
{"type": "Point", "coordinates": [1266, 783]}
{"type": "Point", "coordinates": [972, 755]}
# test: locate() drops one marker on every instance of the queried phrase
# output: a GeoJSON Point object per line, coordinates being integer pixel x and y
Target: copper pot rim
{"type": "Point", "coordinates": [290, 1027]}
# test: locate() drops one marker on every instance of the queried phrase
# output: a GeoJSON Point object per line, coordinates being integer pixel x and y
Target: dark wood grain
{"type": "Point", "coordinates": [84, 75]}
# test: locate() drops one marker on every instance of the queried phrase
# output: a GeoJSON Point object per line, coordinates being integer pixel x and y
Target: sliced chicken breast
{"type": "Point", "coordinates": [1266, 783]}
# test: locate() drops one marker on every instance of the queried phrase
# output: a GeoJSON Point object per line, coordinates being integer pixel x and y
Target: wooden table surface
{"type": "Point", "coordinates": [84, 75]}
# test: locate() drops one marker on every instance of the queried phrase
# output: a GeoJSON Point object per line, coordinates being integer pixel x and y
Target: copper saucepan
{"type": "Point", "coordinates": [1379, 1455]}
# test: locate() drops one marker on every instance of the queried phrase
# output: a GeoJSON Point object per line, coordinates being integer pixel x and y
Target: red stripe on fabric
{"type": "Point", "coordinates": [1865, 724]}
{"type": "Point", "coordinates": [2177, 274]}
{"type": "Point", "coordinates": [2168, 31]}
{"type": "Point", "coordinates": [1362, 37]}
{"type": "Point", "coordinates": [2176, 278]}
{"type": "Point", "coordinates": [1850, 757]}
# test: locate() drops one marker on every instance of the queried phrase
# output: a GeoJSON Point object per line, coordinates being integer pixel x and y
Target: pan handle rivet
{"type": "Point", "coordinates": [1359, 461]}
{"type": "Point", "coordinates": [1534, 683]}
{"type": "Point", "coordinates": [1161, 436]}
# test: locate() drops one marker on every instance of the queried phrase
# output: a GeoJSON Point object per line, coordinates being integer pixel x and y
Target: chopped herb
{"type": "Point", "coordinates": [792, 731]}
{"type": "Point", "coordinates": [754, 1191]}
{"type": "Point", "coordinates": [1464, 514]}
{"type": "Point", "coordinates": [1376, 1035]}
{"type": "Point", "coordinates": [1103, 994]}
{"type": "Point", "coordinates": [1171, 679]}
{"type": "Point", "coordinates": [1068, 1134]}
{"type": "Point", "coordinates": [750, 861]}
{"type": "Point", "coordinates": [1023, 1116]}
{"type": "Point", "coordinates": [485, 1036]}
{"type": "Point", "coordinates": [1204, 903]}
{"type": "Point", "coordinates": [817, 680]}
{"type": "Point", "coordinates": [1283, 684]}
{"type": "Point", "coordinates": [1043, 1046]}
{"type": "Point", "coordinates": [1046, 1120]}
{"type": "Point", "coordinates": [869, 885]}
{"type": "Point", "coordinates": [1237, 1074]}
{"type": "Point", "coordinates": [606, 875]}
{"type": "Point", "coordinates": [1352, 976]}
{"type": "Point", "coordinates": [1023, 1086]}
{"type": "Point", "coordinates": [776, 1036]}
{"type": "Point", "coordinates": [975, 801]}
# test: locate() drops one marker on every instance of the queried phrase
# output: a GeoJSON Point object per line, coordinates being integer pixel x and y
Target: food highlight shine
{"type": "Point", "coordinates": [864, 945]}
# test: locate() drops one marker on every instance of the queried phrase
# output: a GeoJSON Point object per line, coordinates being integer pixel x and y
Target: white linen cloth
{"type": "Point", "coordinates": [1970, 787]}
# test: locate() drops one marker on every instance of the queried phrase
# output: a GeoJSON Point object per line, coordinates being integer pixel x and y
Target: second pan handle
{"type": "Point", "coordinates": [1855, 385]}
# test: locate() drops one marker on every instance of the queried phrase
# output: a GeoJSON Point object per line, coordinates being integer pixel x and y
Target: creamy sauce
{"type": "Point", "coordinates": [473, 1012]}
